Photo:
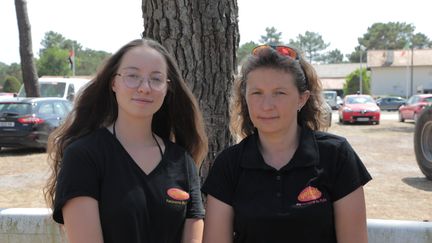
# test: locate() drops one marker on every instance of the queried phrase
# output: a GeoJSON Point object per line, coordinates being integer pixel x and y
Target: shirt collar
{"type": "Point", "coordinates": [307, 153]}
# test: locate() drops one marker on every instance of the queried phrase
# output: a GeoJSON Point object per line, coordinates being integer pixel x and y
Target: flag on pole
{"type": "Point", "coordinates": [71, 58]}
{"type": "Point", "coordinates": [405, 49]}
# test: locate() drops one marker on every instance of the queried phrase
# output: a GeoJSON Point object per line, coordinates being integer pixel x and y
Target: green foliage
{"type": "Point", "coordinates": [390, 36]}
{"type": "Point", "coordinates": [11, 85]}
{"type": "Point", "coordinates": [88, 61]}
{"type": "Point", "coordinates": [54, 39]}
{"type": "Point", "coordinates": [54, 62]}
{"type": "Point", "coordinates": [12, 70]}
{"type": "Point", "coordinates": [54, 57]}
{"type": "Point", "coordinates": [332, 57]}
{"type": "Point", "coordinates": [245, 50]}
{"type": "Point", "coordinates": [272, 37]}
{"type": "Point", "coordinates": [352, 85]}
{"type": "Point", "coordinates": [311, 44]}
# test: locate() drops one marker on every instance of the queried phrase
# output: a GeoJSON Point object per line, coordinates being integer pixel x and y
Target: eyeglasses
{"type": "Point", "coordinates": [134, 81]}
{"type": "Point", "coordinates": [283, 50]}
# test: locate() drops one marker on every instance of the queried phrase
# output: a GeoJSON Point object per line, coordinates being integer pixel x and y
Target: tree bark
{"type": "Point", "coordinates": [28, 66]}
{"type": "Point", "coordinates": [203, 36]}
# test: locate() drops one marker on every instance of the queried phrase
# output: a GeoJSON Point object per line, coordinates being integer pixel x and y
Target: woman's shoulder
{"type": "Point", "coordinates": [92, 140]}
{"type": "Point", "coordinates": [233, 153]}
{"type": "Point", "coordinates": [330, 139]}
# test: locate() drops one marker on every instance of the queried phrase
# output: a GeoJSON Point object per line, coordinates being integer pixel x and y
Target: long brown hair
{"type": "Point", "coordinates": [305, 78]}
{"type": "Point", "coordinates": [97, 107]}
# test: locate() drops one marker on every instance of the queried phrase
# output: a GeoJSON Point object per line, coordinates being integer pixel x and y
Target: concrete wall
{"type": "Point", "coordinates": [35, 225]}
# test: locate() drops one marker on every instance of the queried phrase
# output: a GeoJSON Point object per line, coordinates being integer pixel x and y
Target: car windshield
{"type": "Point", "coordinates": [48, 89]}
{"type": "Point", "coordinates": [14, 109]}
{"type": "Point", "coordinates": [359, 100]}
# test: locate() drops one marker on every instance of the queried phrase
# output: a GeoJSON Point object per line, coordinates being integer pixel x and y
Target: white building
{"type": "Point", "coordinates": [398, 72]}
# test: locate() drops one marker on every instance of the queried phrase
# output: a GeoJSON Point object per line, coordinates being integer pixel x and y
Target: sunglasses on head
{"type": "Point", "coordinates": [282, 50]}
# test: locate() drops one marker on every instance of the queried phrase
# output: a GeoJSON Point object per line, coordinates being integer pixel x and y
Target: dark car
{"type": "Point", "coordinates": [414, 106]}
{"type": "Point", "coordinates": [27, 122]}
{"type": "Point", "coordinates": [390, 103]}
{"type": "Point", "coordinates": [359, 108]}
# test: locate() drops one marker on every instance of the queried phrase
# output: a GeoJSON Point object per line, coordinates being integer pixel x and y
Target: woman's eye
{"type": "Point", "coordinates": [156, 80]}
{"type": "Point", "coordinates": [132, 76]}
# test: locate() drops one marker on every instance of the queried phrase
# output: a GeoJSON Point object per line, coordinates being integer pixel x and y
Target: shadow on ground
{"type": "Point", "coordinates": [420, 183]}
{"type": "Point", "coordinates": [20, 151]}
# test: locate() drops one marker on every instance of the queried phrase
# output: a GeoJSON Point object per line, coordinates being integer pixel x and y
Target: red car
{"type": "Point", "coordinates": [359, 108]}
{"type": "Point", "coordinates": [414, 106]}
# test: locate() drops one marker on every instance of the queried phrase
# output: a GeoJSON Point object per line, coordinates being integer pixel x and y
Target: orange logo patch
{"type": "Point", "coordinates": [177, 194]}
{"type": "Point", "coordinates": [309, 194]}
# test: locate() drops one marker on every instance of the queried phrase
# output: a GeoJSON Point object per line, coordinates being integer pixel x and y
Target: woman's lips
{"type": "Point", "coordinates": [142, 100]}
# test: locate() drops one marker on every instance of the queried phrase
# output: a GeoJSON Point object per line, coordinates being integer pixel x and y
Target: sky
{"type": "Point", "coordinates": [107, 25]}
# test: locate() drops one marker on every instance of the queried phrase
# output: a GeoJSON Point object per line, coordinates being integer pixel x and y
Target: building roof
{"type": "Point", "coordinates": [332, 83]}
{"type": "Point", "coordinates": [336, 70]}
{"type": "Point", "coordinates": [398, 58]}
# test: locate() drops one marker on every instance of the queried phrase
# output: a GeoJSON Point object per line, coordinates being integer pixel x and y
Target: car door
{"type": "Point", "coordinates": [410, 107]}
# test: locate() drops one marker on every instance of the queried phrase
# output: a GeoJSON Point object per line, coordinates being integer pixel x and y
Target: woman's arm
{"type": "Point", "coordinates": [193, 231]}
{"type": "Point", "coordinates": [81, 220]}
{"type": "Point", "coordinates": [218, 223]}
{"type": "Point", "coordinates": [350, 218]}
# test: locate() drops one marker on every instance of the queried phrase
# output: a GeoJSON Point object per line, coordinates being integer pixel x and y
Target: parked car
{"type": "Point", "coordinates": [6, 95]}
{"type": "Point", "coordinates": [330, 97]}
{"type": "Point", "coordinates": [390, 103]}
{"type": "Point", "coordinates": [414, 106]}
{"type": "Point", "coordinates": [359, 108]}
{"type": "Point", "coordinates": [27, 122]}
{"type": "Point", "coordinates": [339, 101]}
{"type": "Point", "coordinates": [62, 87]}
{"type": "Point", "coordinates": [423, 141]}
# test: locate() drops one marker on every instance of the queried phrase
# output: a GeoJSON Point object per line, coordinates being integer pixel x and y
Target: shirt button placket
{"type": "Point", "coordinates": [278, 179]}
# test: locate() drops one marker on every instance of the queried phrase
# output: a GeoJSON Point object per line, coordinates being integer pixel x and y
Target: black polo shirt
{"type": "Point", "coordinates": [134, 207]}
{"type": "Point", "coordinates": [293, 204]}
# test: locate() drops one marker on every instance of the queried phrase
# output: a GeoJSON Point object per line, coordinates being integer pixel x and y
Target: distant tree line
{"type": "Point", "coordinates": [54, 60]}
{"type": "Point", "coordinates": [380, 36]}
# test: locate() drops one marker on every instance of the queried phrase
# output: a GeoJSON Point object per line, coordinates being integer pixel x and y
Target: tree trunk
{"type": "Point", "coordinates": [28, 66]}
{"type": "Point", "coordinates": [203, 36]}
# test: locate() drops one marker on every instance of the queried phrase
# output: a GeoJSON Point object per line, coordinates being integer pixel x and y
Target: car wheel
{"type": "Point", "coordinates": [423, 142]}
{"type": "Point", "coordinates": [401, 119]}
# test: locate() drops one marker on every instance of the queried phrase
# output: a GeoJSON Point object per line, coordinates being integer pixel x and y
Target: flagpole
{"type": "Point", "coordinates": [73, 60]}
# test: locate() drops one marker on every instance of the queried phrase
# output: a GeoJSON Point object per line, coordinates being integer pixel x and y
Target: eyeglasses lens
{"type": "Point", "coordinates": [134, 81]}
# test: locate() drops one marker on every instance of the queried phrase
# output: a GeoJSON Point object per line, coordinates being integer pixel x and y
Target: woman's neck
{"type": "Point", "coordinates": [278, 149]}
{"type": "Point", "coordinates": [133, 131]}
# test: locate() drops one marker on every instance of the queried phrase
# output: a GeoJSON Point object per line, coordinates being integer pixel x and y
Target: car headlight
{"type": "Point", "coordinates": [374, 109]}
{"type": "Point", "coordinates": [347, 109]}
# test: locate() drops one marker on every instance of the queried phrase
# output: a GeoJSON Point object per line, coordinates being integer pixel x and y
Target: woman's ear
{"type": "Point", "coordinates": [113, 85]}
{"type": "Point", "coordinates": [304, 97]}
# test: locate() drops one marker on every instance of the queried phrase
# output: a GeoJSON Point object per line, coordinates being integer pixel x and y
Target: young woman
{"type": "Point", "coordinates": [123, 163]}
{"type": "Point", "coordinates": [286, 181]}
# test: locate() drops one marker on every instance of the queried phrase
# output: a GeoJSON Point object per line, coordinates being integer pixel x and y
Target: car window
{"type": "Point", "coordinates": [359, 100]}
{"type": "Point", "coordinates": [428, 99]}
{"type": "Point", "coordinates": [46, 109]}
{"type": "Point", "coordinates": [60, 109]}
{"type": "Point", "coordinates": [15, 108]}
{"type": "Point", "coordinates": [411, 100]}
{"type": "Point", "coordinates": [53, 89]}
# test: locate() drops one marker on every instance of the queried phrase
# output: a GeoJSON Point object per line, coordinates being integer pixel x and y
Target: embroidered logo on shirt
{"type": "Point", "coordinates": [178, 194]}
{"type": "Point", "coordinates": [309, 194]}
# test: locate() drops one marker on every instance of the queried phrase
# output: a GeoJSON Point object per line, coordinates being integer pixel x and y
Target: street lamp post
{"type": "Point", "coordinates": [362, 48]}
